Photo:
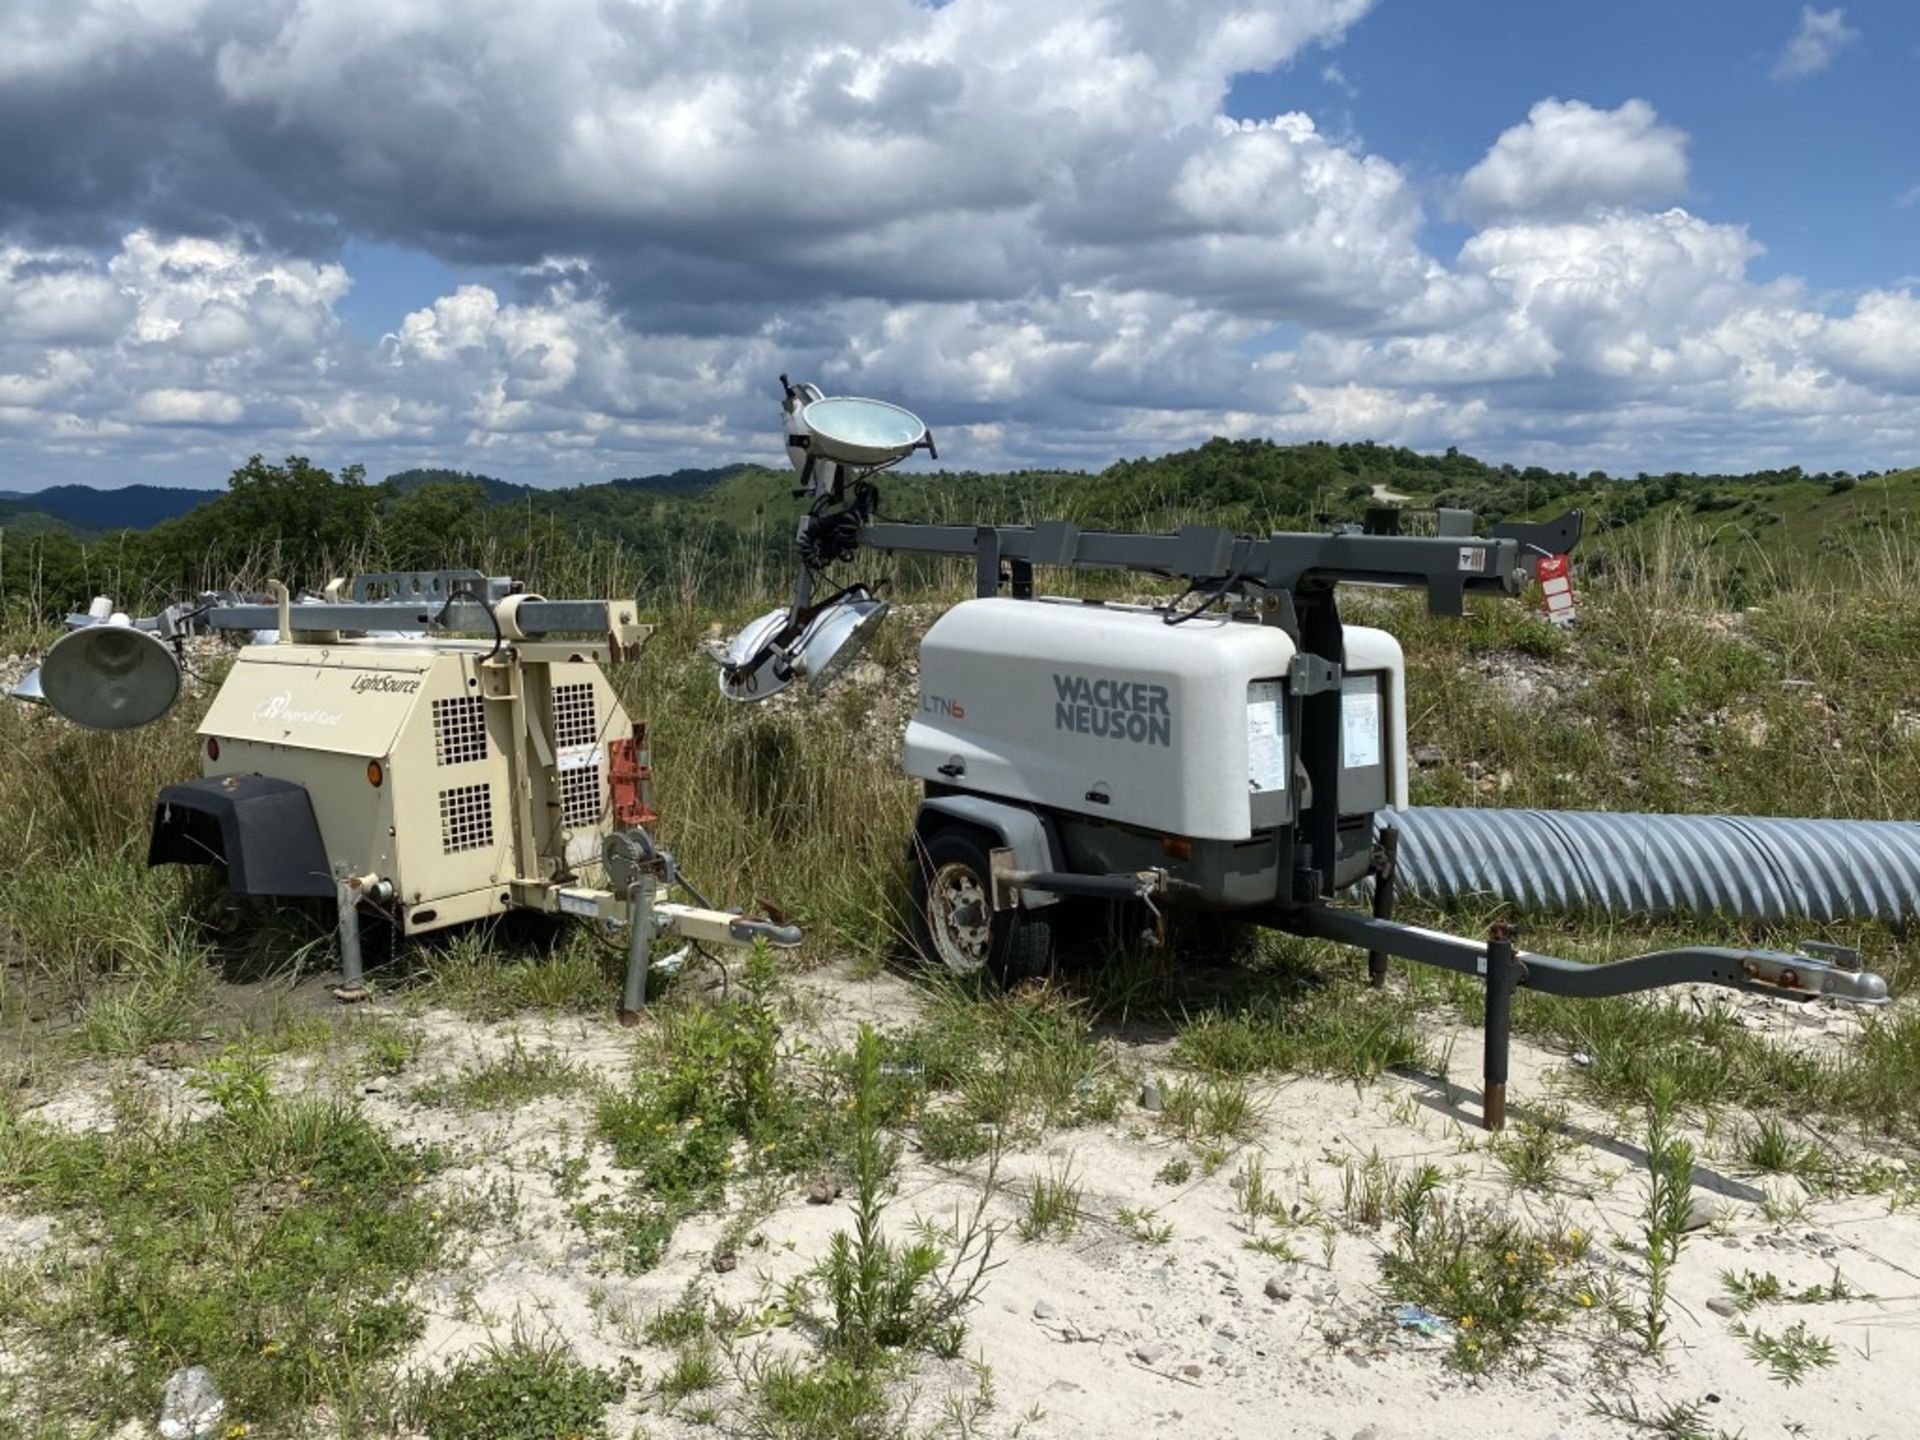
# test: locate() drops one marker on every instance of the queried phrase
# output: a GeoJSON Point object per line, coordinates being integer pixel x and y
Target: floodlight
{"type": "Point", "coordinates": [110, 677]}
{"type": "Point", "coordinates": [775, 650]}
{"type": "Point", "coordinates": [852, 431]}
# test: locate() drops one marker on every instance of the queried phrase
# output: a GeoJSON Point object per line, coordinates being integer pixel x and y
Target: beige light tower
{"type": "Point", "coordinates": [375, 753]}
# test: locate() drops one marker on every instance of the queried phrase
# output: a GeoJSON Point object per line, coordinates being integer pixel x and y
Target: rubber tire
{"type": "Point", "coordinates": [1020, 941]}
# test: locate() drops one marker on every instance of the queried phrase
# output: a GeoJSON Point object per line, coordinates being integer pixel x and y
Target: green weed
{"type": "Point", "coordinates": [1665, 1212]}
{"type": "Point", "coordinates": [515, 1078]}
{"type": "Point", "coordinates": [878, 1297]}
{"type": "Point", "coordinates": [1495, 1280]}
{"type": "Point", "coordinates": [271, 1243]}
{"type": "Point", "coordinates": [525, 1389]}
{"type": "Point", "coordinates": [1789, 1355]}
{"type": "Point", "coordinates": [1530, 1152]}
{"type": "Point", "coordinates": [1146, 1226]}
{"type": "Point", "coordinates": [1208, 1110]}
{"type": "Point", "coordinates": [684, 1320]}
{"type": "Point", "coordinates": [1053, 1206]}
{"type": "Point", "coordinates": [1679, 1420]}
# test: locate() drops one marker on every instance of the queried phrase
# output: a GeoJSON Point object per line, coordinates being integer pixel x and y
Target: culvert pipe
{"type": "Point", "coordinates": [1740, 866]}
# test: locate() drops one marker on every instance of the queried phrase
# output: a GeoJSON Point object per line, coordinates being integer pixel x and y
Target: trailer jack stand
{"type": "Point", "coordinates": [633, 999]}
{"type": "Point", "coordinates": [352, 986]}
{"type": "Point", "coordinates": [1386, 857]}
{"type": "Point", "coordinates": [1503, 974]}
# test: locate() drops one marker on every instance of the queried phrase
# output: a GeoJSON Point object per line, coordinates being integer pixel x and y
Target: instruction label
{"type": "Point", "coordinates": [1360, 722]}
{"type": "Point", "coordinates": [1267, 762]}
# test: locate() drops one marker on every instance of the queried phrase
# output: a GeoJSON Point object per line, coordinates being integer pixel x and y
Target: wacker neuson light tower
{"type": "Point", "coordinates": [372, 754]}
{"type": "Point", "coordinates": [1226, 751]}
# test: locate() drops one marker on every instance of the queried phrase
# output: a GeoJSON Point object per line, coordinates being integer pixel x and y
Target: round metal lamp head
{"type": "Point", "coordinates": [850, 431]}
{"type": "Point", "coordinates": [110, 677]}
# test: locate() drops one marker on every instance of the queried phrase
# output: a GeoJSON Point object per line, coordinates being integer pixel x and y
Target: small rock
{"type": "Point", "coordinates": [1720, 1305]}
{"type": "Point", "coordinates": [1152, 1353]}
{"type": "Point", "coordinates": [1042, 1310]}
{"type": "Point", "coordinates": [724, 1262]}
{"type": "Point", "coordinates": [1704, 1211]}
{"type": "Point", "coordinates": [1206, 1317]}
{"type": "Point", "coordinates": [1428, 756]}
{"type": "Point", "coordinates": [1222, 1345]}
{"type": "Point", "coordinates": [1193, 1371]}
{"type": "Point", "coordinates": [1151, 1098]}
{"type": "Point", "coordinates": [1278, 1289]}
{"type": "Point", "coordinates": [192, 1405]}
{"type": "Point", "coordinates": [1367, 1432]}
{"type": "Point", "coordinates": [1729, 1244]}
{"type": "Point", "coordinates": [1360, 1361]}
{"type": "Point", "coordinates": [823, 1191]}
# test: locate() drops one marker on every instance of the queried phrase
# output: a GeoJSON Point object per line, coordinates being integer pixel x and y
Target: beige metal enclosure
{"type": "Point", "coordinates": [470, 777]}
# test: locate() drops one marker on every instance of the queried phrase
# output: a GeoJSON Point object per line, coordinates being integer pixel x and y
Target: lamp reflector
{"type": "Point", "coordinates": [110, 677]}
{"type": "Point", "coordinates": [757, 665]}
{"type": "Point", "coordinates": [852, 431]}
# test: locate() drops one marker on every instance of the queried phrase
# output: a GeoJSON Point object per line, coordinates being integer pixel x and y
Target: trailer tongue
{"type": "Point", "coordinates": [1233, 750]}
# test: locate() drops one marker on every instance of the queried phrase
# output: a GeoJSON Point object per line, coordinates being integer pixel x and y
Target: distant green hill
{"type": "Point", "coordinates": [82, 507]}
{"type": "Point", "coordinates": [711, 531]}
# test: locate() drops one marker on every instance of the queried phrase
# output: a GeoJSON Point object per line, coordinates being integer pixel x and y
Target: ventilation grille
{"type": "Point", "coordinates": [573, 722]}
{"type": "Point", "coordinates": [459, 730]}
{"type": "Point", "coordinates": [580, 797]}
{"type": "Point", "coordinates": [466, 818]}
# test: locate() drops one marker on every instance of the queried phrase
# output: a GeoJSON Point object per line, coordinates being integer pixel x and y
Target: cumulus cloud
{"type": "Point", "coordinates": [1033, 224]}
{"type": "Point", "coordinates": [1822, 35]}
{"type": "Point", "coordinates": [1569, 157]}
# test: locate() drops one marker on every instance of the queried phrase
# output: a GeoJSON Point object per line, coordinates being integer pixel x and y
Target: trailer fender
{"type": "Point", "coordinates": [1027, 833]}
{"type": "Point", "coordinates": [261, 828]}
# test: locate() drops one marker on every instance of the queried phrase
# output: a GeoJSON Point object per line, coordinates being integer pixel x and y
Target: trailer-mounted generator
{"type": "Point", "coordinates": [368, 750]}
{"type": "Point", "coordinates": [1230, 750]}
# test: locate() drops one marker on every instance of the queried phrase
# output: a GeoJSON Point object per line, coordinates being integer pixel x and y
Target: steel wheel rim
{"type": "Point", "coordinates": [960, 918]}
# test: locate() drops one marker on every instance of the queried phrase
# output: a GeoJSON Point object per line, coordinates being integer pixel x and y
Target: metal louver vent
{"type": "Point", "coordinates": [573, 719]}
{"type": "Point", "coordinates": [459, 730]}
{"type": "Point", "coordinates": [466, 818]}
{"type": "Point", "coordinates": [580, 796]}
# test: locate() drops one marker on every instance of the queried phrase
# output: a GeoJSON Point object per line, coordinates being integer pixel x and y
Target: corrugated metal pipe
{"type": "Point", "coordinates": [1623, 864]}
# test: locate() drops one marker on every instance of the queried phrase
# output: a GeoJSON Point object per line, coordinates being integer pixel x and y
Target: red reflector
{"type": "Point", "coordinates": [213, 748]}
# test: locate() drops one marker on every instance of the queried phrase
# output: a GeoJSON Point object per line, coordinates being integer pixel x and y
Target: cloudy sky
{"type": "Point", "coordinates": [579, 238]}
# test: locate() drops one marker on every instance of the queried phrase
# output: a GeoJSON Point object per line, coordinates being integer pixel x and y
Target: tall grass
{"type": "Point", "coordinates": [1687, 684]}
{"type": "Point", "coordinates": [1696, 679]}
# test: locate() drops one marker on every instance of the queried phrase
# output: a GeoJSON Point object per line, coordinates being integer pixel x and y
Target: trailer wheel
{"type": "Point", "coordinates": [954, 921]}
